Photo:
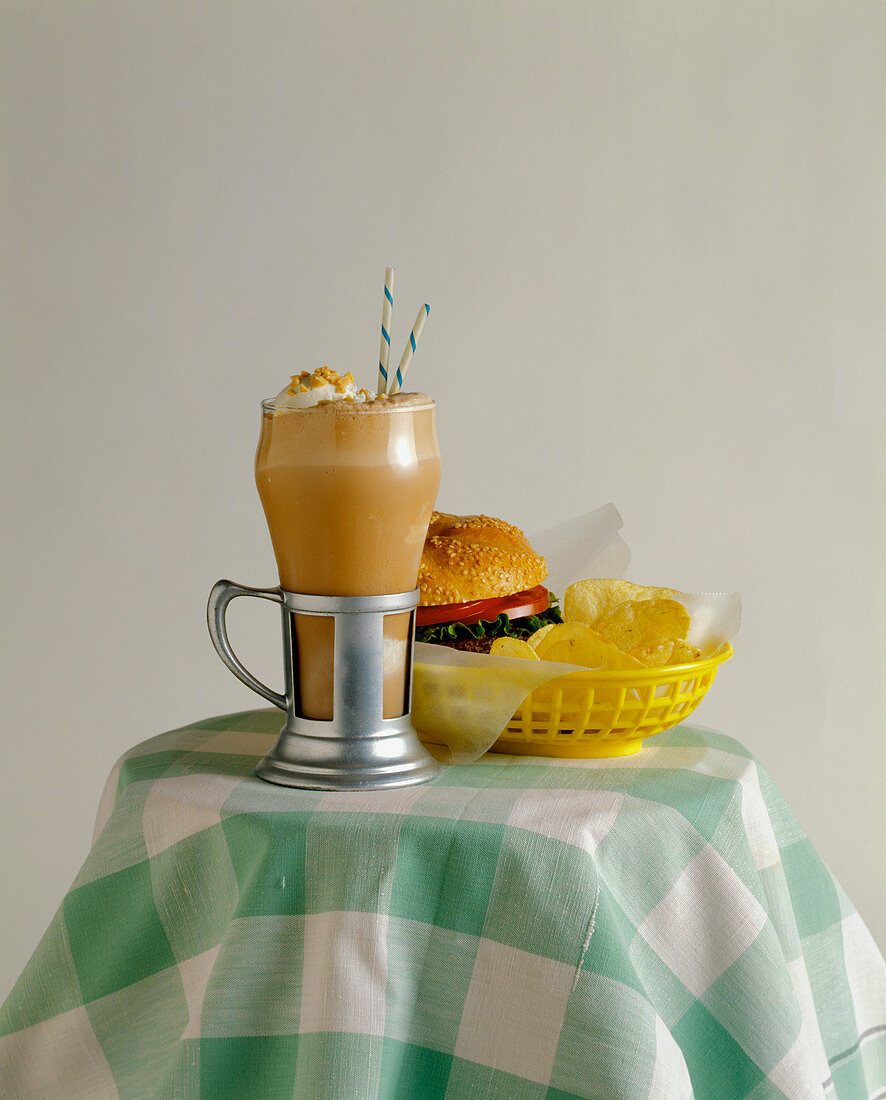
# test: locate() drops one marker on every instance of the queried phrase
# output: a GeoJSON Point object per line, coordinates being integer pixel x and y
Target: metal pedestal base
{"type": "Point", "coordinates": [392, 759]}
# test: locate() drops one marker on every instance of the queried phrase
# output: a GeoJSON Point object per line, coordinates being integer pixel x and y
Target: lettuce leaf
{"type": "Point", "coordinates": [502, 627]}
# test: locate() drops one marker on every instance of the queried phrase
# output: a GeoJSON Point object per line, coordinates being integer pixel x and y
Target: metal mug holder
{"type": "Point", "coordinates": [358, 748]}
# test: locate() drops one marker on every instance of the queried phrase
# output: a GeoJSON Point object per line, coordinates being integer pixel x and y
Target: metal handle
{"type": "Point", "coordinates": [221, 595]}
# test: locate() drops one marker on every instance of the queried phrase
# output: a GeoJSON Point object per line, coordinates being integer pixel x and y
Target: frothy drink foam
{"type": "Point", "coordinates": [347, 480]}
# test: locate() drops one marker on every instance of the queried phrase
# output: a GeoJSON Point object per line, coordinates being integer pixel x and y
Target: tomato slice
{"type": "Point", "coordinates": [531, 602]}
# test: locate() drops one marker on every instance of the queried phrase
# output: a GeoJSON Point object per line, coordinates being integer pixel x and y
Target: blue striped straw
{"type": "Point", "coordinates": [385, 350]}
{"type": "Point", "coordinates": [410, 346]}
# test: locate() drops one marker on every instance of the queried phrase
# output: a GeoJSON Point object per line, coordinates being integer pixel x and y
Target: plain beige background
{"type": "Point", "coordinates": [652, 236]}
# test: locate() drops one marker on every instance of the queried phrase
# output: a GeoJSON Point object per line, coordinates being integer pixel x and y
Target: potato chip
{"type": "Point", "coordinates": [535, 638]}
{"type": "Point", "coordinates": [616, 624]}
{"type": "Point", "coordinates": [592, 600]}
{"type": "Point", "coordinates": [654, 656]}
{"type": "Point", "coordinates": [667, 653]}
{"type": "Point", "coordinates": [684, 653]}
{"type": "Point", "coordinates": [645, 624]}
{"type": "Point", "coordinates": [579, 644]}
{"type": "Point", "coordinates": [513, 647]}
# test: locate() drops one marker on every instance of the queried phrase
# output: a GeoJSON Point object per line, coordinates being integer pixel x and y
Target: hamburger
{"type": "Point", "coordinates": [480, 579]}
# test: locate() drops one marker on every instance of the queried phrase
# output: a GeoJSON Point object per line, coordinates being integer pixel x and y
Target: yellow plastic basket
{"type": "Point", "coordinates": [599, 713]}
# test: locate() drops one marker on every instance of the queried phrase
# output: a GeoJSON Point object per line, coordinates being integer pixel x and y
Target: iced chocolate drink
{"type": "Point", "coordinates": [348, 482]}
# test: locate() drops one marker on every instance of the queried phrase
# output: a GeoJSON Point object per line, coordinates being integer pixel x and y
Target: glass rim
{"type": "Point", "coordinates": [269, 404]}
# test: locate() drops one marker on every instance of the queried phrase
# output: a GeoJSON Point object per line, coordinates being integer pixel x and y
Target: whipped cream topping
{"type": "Point", "coordinates": [323, 384]}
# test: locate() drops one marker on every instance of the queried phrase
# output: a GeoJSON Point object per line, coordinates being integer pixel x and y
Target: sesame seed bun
{"type": "Point", "coordinates": [475, 558]}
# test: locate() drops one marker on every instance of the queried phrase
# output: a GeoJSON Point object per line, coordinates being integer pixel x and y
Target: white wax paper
{"type": "Point", "coordinates": [462, 701]}
{"type": "Point", "coordinates": [587, 546]}
{"type": "Point", "coordinates": [716, 617]}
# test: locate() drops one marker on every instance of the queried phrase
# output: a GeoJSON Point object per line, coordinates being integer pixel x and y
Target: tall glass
{"type": "Point", "coordinates": [348, 489]}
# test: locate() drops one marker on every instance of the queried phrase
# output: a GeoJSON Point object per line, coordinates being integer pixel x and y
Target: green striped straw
{"type": "Point", "coordinates": [410, 346]}
{"type": "Point", "coordinates": [385, 350]}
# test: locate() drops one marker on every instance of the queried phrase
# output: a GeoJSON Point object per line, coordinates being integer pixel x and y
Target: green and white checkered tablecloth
{"type": "Point", "coordinates": [655, 926]}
